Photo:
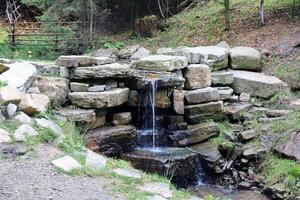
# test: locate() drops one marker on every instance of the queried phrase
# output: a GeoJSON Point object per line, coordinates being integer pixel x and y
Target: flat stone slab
{"type": "Point", "coordinates": [161, 63]}
{"type": "Point", "coordinates": [235, 110]}
{"type": "Point", "coordinates": [202, 132]}
{"type": "Point", "coordinates": [66, 163]}
{"type": "Point", "coordinates": [22, 118]}
{"type": "Point", "coordinates": [106, 99]}
{"type": "Point", "coordinates": [115, 70]}
{"type": "Point", "coordinates": [94, 160]}
{"type": "Point", "coordinates": [112, 141]}
{"type": "Point", "coordinates": [225, 92]}
{"type": "Point", "coordinates": [290, 147]}
{"type": "Point", "coordinates": [130, 173]}
{"type": "Point", "coordinates": [256, 84]}
{"type": "Point", "coordinates": [45, 123]}
{"type": "Point", "coordinates": [20, 75]}
{"type": "Point", "coordinates": [102, 60]}
{"type": "Point", "coordinates": [74, 61]}
{"type": "Point", "coordinates": [78, 115]}
{"type": "Point", "coordinates": [79, 87]}
{"type": "Point", "coordinates": [201, 95]}
{"type": "Point", "coordinates": [161, 189]}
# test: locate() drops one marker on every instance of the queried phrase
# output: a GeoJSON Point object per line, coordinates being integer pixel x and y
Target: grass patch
{"type": "Point", "coordinates": [45, 136]}
{"type": "Point", "coordinates": [291, 122]}
{"type": "Point", "coordinates": [221, 139]}
{"type": "Point", "coordinates": [10, 126]}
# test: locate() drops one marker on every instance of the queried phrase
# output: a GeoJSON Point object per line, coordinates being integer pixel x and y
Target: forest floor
{"type": "Point", "coordinates": [34, 177]}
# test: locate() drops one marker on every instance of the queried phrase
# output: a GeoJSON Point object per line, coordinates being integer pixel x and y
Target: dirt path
{"type": "Point", "coordinates": [34, 178]}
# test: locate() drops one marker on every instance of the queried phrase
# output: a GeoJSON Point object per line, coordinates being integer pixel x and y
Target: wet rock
{"type": "Point", "coordinates": [129, 173]}
{"type": "Point", "coordinates": [102, 60]}
{"type": "Point", "coordinates": [34, 103]}
{"type": "Point", "coordinates": [210, 153]}
{"type": "Point", "coordinates": [20, 75]}
{"type": "Point", "coordinates": [222, 78]}
{"type": "Point", "coordinates": [290, 147]}
{"type": "Point", "coordinates": [244, 185]}
{"type": "Point", "coordinates": [4, 136]}
{"type": "Point", "coordinates": [244, 97]}
{"type": "Point", "coordinates": [106, 99]}
{"type": "Point", "coordinates": [79, 87]}
{"type": "Point", "coordinates": [245, 58]}
{"type": "Point", "coordinates": [225, 93]}
{"type": "Point", "coordinates": [10, 95]}
{"type": "Point", "coordinates": [201, 112]}
{"type": "Point", "coordinates": [202, 132]}
{"type": "Point", "coordinates": [66, 163]}
{"type": "Point", "coordinates": [78, 115]}
{"type": "Point", "coordinates": [55, 88]}
{"type": "Point", "coordinates": [133, 99]}
{"type": "Point", "coordinates": [45, 123]}
{"type": "Point", "coordinates": [235, 110]}
{"type": "Point", "coordinates": [162, 99]}
{"type": "Point", "coordinates": [22, 118]}
{"type": "Point", "coordinates": [94, 160]}
{"type": "Point", "coordinates": [97, 88]}
{"type": "Point", "coordinates": [12, 150]}
{"type": "Point", "coordinates": [111, 141]}
{"type": "Point", "coordinates": [114, 70]}
{"type": "Point", "coordinates": [74, 61]}
{"type": "Point", "coordinates": [247, 135]}
{"type": "Point", "coordinates": [256, 84]}
{"type": "Point", "coordinates": [178, 102]}
{"type": "Point", "coordinates": [11, 110]}
{"type": "Point", "coordinates": [110, 53]}
{"type": "Point", "coordinates": [197, 76]}
{"type": "Point", "coordinates": [201, 95]}
{"type": "Point", "coordinates": [23, 132]}
{"type": "Point", "coordinates": [111, 84]}
{"type": "Point", "coordinates": [161, 189]}
{"type": "Point", "coordinates": [177, 163]}
{"type": "Point", "coordinates": [122, 118]}
{"type": "Point", "coordinates": [161, 63]}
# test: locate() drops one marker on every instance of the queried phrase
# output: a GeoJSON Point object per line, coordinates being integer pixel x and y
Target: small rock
{"type": "Point", "coordinates": [130, 173]}
{"type": "Point", "coordinates": [140, 53]}
{"type": "Point", "coordinates": [34, 103]}
{"type": "Point", "coordinates": [235, 110]}
{"type": "Point", "coordinates": [79, 87]}
{"type": "Point", "coordinates": [66, 163]}
{"type": "Point", "coordinates": [22, 118]}
{"type": "Point", "coordinates": [253, 152]}
{"type": "Point", "coordinates": [97, 88]}
{"type": "Point", "coordinates": [122, 118]}
{"type": "Point", "coordinates": [295, 105]}
{"type": "Point", "coordinates": [45, 123]}
{"type": "Point", "coordinates": [161, 189]}
{"type": "Point", "coordinates": [11, 110]}
{"type": "Point", "coordinates": [244, 185]}
{"type": "Point", "coordinates": [247, 135]}
{"type": "Point", "coordinates": [94, 160]}
{"type": "Point", "coordinates": [24, 131]}
{"type": "Point", "coordinates": [277, 113]}
{"type": "Point", "coordinates": [290, 147]}
{"type": "Point", "coordinates": [225, 93]}
{"type": "Point", "coordinates": [245, 97]}
{"type": "Point", "coordinates": [128, 51]}
{"type": "Point", "coordinates": [4, 136]}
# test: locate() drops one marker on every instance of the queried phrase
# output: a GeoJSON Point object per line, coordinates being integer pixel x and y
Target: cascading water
{"type": "Point", "coordinates": [153, 105]}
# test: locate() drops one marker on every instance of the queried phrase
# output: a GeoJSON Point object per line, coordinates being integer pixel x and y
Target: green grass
{"type": "Point", "coordinates": [10, 126]}
{"type": "Point", "coordinates": [45, 136]}
{"type": "Point", "coordinates": [221, 139]}
{"type": "Point", "coordinates": [292, 122]}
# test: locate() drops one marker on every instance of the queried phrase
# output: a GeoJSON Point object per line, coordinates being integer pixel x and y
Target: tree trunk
{"type": "Point", "coordinates": [261, 14]}
{"type": "Point", "coordinates": [227, 15]}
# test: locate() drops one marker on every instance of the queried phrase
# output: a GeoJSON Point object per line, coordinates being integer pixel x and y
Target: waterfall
{"type": "Point", "coordinates": [153, 105]}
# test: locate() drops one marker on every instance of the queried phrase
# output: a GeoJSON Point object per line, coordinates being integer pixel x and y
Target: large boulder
{"type": "Point", "coordinates": [112, 141]}
{"type": "Point", "coordinates": [245, 58]}
{"type": "Point", "coordinates": [201, 112]}
{"type": "Point", "coordinates": [20, 75]}
{"type": "Point", "coordinates": [177, 163]}
{"type": "Point", "coordinates": [106, 99]}
{"type": "Point", "coordinates": [256, 84]}
{"type": "Point", "coordinates": [201, 95]}
{"type": "Point", "coordinates": [161, 63]}
{"type": "Point", "coordinates": [197, 76]}
{"type": "Point", "coordinates": [201, 132]}
{"type": "Point", "coordinates": [34, 103]}
{"type": "Point", "coordinates": [115, 70]}
{"type": "Point", "coordinates": [10, 95]}
{"type": "Point", "coordinates": [55, 88]}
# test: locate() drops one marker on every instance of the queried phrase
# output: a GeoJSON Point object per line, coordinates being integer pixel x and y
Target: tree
{"type": "Point", "coordinates": [227, 15]}
{"type": "Point", "coordinates": [261, 21]}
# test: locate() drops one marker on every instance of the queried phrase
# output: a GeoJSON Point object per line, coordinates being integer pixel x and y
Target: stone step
{"type": "Point", "coordinates": [201, 95]}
